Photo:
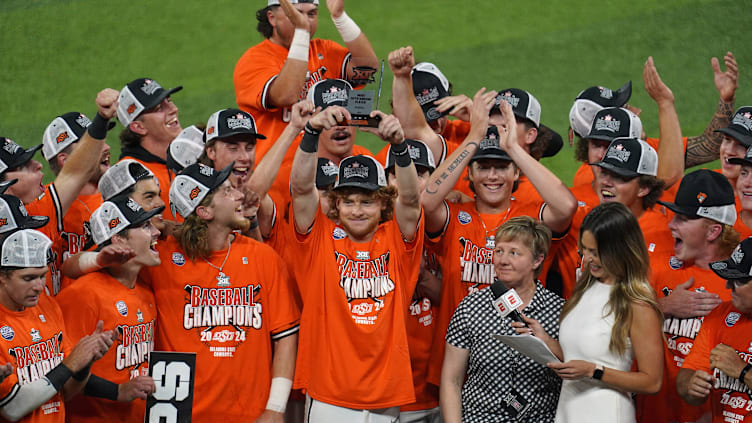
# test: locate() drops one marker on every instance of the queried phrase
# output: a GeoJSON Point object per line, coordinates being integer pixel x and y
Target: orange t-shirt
{"type": "Point", "coordinates": [730, 400]}
{"type": "Point", "coordinates": [466, 262]}
{"type": "Point", "coordinates": [75, 236]}
{"type": "Point", "coordinates": [48, 204]}
{"type": "Point", "coordinates": [164, 178]}
{"type": "Point", "coordinates": [679, 335]}
{"type": "Point", "coordinates": [133, 314]}
{"type": "Point", "coordinates": [33, 341]}
{"type": "Point", "coordinates": [353, 348]}
{"type": "Point", "coordinates": [229, 322]}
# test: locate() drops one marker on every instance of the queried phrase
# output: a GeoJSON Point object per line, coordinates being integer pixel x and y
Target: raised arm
{"type": "Point", "coordinates": [560, 203]}
{"type": "Point", "coordinates": [360, 48]}
{"type": "Point", "coordinates": [83, 162]}
{"type": "Point", "coordinates": [266, 171]}
{"type": "Point", "coordinates": [305, 197]}
{"type": "Point", "coordinates": [407, 205]}
{"type": "Point", "coordinates": [406, 106]}
{"type": "Point", "coordinates": [444, 178]}
{"type": "Point", "coordinates": [283, 369]}
{"type": "Point", "coordinates": [706, 147]}
{"type": "Point", "coordinates": [670, 147]}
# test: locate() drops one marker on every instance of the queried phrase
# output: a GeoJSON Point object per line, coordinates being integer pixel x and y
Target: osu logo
{"type": "Point", "coordinates": [62, 137]}
{"type": "Point", "coordinates": [114, 222]}
{"type": "Point", "coordinates": [210, 130]}
{"type": "Point", "coordinates": [3, 222]}
{"type": "Point", "coordinates": [194, 193]}
{"type": "Point", "coordinates": [701, 197]}
{"type": "Point", "coordinates": [131, 108]}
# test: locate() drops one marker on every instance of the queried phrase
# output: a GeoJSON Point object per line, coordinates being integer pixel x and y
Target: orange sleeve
{"type": "Point", "coordinates": [699, 356]}
{"type": "Point", "coordinates": [255, 71]}
{"type": "Point", "coordinates": [285, 315]}
{"type": "Point", "coordinates": [76, 303]}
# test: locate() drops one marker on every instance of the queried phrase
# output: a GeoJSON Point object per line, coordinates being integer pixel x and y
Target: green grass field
{"type": "Point", "coordinates": [56, 54]}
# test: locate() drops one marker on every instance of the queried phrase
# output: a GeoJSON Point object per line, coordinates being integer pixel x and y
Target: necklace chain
{"type": "Point", "coordinates": [222, 279]}
{"type": "Point", "coordinates": [491, 239]}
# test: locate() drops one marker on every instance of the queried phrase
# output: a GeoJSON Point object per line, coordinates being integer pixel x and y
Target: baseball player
{"type": "Point", "coordinates": [686, 287]}
{"type": "Point", "coordinates": [743, 191]}
{"type": "Point", "coordinates": [716, 371]}
{"type": "Point", "coordinates": [737, 138]}
{"type": "Point", "coordinates": [464, 233]}
{"type": "Point", "coordinates": [150, 122]}
{"type": "Point", "coordinates": [35, 341]}
{"type": "Point", "coordinates": [56, 198]}
{"type": "Point", "coordinates": [226, 297]}
{"type": "Point", "coordinates": [357, 278]}
{"type": "Point", "coordinates": [114, 296]}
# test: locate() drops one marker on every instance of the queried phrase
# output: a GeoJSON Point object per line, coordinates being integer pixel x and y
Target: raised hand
{"type": "Point", "coordinates": [113, 255]}
{"type": "Point", "coordinates": [336, 7]}
{"type": "Point", "coordinates": [655, 87]}
{"type": "Point", "coordinates": [726, 82]}
{"type": "Point", "coordinates": [301, 113]}
{"type": "Point", "coordinates": [299, 20]}
{"type": "Point", "coordinates": [107, 102]}
{"type": "Point", "coordinates": [402, 61]}
{"type": "Point", "coordinates": [389, 128]}
{"type": "Point", "coordinates": [458, 106]}
{"type": "Point", "coordinates": [329, 118]}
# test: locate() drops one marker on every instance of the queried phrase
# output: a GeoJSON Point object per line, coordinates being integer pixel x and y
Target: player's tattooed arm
{"type": "Point", "coordinates": [706, 147]}
{"type": "Point", "coordinates": [444, 178]}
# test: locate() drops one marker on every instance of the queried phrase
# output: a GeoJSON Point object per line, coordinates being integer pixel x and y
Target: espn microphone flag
{"type": "Point", "coordinates": [506, 301]}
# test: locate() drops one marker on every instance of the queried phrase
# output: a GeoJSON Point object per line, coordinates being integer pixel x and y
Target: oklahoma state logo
{"type": "Point", "coordinates": [701, 197]}
{"type": "Point", "coordinates": [62, 137]}
{"type": "Point", "coordinates": [131, 108]}
{"type": "Point", "coordinates": [114, 222]}
{"type": "Point", "coordinates": [3, 222]}
{"type": "Point", "coordinates": [194, 193]}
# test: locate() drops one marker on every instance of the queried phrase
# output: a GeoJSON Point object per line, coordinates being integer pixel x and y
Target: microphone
{"type": "Point", "coordinates": [506, 301]}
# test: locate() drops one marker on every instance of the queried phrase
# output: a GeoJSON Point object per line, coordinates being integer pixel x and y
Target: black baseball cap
{"type": "Point", "coordinates": [419, 153]}
{"type": "Point", "coordinates": [555, 141]}
{"type": "Point", "coordinates": [630, 157]}
{"type": "Point", "coordinates": [330, 92]}
{"type": "Point", "coordinates": [744, 161]}
{"type": "Point", "coordinates": [738, 266]}
{"type": "Point", "coordinates": [360, 172]}
{"type": "Point", "coordinates": [228, 122]}
{"type": "Point", "coordinates": [741, 126]}
{"type": "Point", "coordinates": [615, 122]}
{"type": "Point", "coordinates": [191, 185]}
{"type": "Point", "coordinates": [138, 96]}
{"type": "Point", "coordinates": [524, 105]}
{"type": "Point", "coordinates": [13, 155]}
{"type": "Point", "coordinates": [489, 147]}
{"type": "Point", "coordinates": [13, 215]}
{"type": "Point", "coordinates": [605, 97]}
{"type": "Point", "coordinates": [117, 214]}
{"type": "Point", "coordinates": [704, 193]}
{"type": "Point", "coordinates": [429, 85]}
{"type": "Point", "coordinates": [326, 173]}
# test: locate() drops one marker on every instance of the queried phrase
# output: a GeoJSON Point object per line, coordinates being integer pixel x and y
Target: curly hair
{"type": "Point", "coordinates": [385, 194]}
{"type": "Point", "coordinates": [656, 187]}
{"type": "Point", "coordinates": [193, 234]}
{"type": "Point", "coordinates": [581, 147]}
{"type": "Point", "coordinates": [263, 26]}
{"type": "Point", "coordinates": [129, 138]}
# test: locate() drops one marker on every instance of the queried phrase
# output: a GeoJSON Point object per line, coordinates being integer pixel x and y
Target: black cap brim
{"type": "Point", "coordinates": [24, 157]}
{"type": "Point", "coordinates": [146, 216]}
{"type": "Point", "coordinates": [627, 173]}
{"type": "Point", "coordinates": [685, 211]}
{"type": "Point", "coordinates": [740, 161]}
{"type": "Point", "coordinates": [729, 272]}
{"type": "Point", "coordinates": [163, 95]}
{"type": "Point", "coordinates": [492, 156]}
{"type": "Point", "coordinates": [34, 222]}
{"type": "Point", "coordinates": [601, 137]}
{"type": "Point", "coordinates": [222, 176]}
{"type": "Point", "coordinates": [744, 139]}
{"type": "Point", "coordinates": [623, 94]}
{"type": "Point", "coordinates": [555, 143]}
{"type": "Point", "coordinates": [4, 185]}
{"type": "Point", "coordinates": [362, 185]}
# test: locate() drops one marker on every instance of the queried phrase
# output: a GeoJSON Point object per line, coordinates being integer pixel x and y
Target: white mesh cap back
{"type": "Point", "coordinates": [7, 222]}
{"type": "Point", "coordinates": [128, 107]}
{"type": "Point", "coordinates": [429, 67]}
{"type": "Point", "coordinates": [59, 135]}
{"type": "Point", "coordinates": [185, 195]}
{"type": "Point", "coordinates": [533, 111]}
{"type": "Point", "coordinates": [118, 178]}
{"type": "Point", "coordinates": [581, 116]}
{"type": "Point", "coordinates": [648, 164]}
{"type": "Point", "coordinates": [25, 248]}
{"type": "Point", "coordinates": [192, 133]}
{"type": "Point", "coordinates": [723, 214]}
{"type": "Point", "coordinates": [107, 221]}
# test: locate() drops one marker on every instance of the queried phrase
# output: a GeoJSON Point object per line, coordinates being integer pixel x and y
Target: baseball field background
{"type": "Point", "coordinates": [55, 55]}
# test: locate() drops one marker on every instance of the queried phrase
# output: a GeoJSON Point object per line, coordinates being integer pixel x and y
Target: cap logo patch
{"type": "Point", "coordinates": [205, 170]}
{"type": "Point", "coordinates": [11, 146]}
{"type": "Point", "coordinates": [606, 92]}
{"type": "Point", "coordinates": [133, 205]}
{"type": "Point", "coordinates": [150, 87]}
{"type": "Point", "coordinates": [239, 121]}
{"type": "Point", "coordinates": [619, 153]}
{"type": "Point", "coordinates": [738, 255]}
{"type": "Point", "coordinates": [607, 123]}
{"type": "Point", "coordinates": [114, 223]}
{"type": "Point", "coordinates": [210, 130]}
{"type": "Point", "coordinates": [427, 95]}
{"type": "Point", "coordinates": [83, 121]}
{"type": "Point", "coordinates": [414, 152]}
{"type": "Point", "coordinates": [510, 98]}
{"type": "Point", "coordinates": [3, 222]}
{"type": "Point", "coordinates": [194, 193]}
{"type": "Point", "coordinates": [62, 137]}
{"type": "Point", "coordinates": [490, 142]}
{"type": "Point", "coordinates": [701, 197]}
{"type": "Point", "coordinates": [131, 108]}
{"type": "Point", "coordinates": [743, 119]}
{"type": "Point", "coordinates": [355, 170]}
{"type": "Point", "coordinates": [719, 265]}
{"type": "Point", "coordinates": [334, 94]}
{"type": "Point", "coordinates": [732, 318]}
{"type": "Point", "coordinates": [329, 169]}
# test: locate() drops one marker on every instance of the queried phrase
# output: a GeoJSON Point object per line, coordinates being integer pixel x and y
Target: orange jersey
{"type": "Point", "coordinates": [260, 65]}
{"type": "Point", "coordinates": [466, 263]}
{"type": "Point", "coordinates": [48, 204]}
{"type": "Point", "coordinates": [730, 399]}
{"type": "Point", "coordinates": [133, 314]}
{"type": "Point", "coordinates": [75, 236]}
{"type": "Point", "coordinates": [34, 341]}
{"type": "Point", "coordinates": [680, 335]}
{"type": "Point", "coordinates": [419, 323]}
{"type": "Point", "coordinates": [353, 349]}
{"type": "Point", "coordinates": [585, 176]}
{"type": "Point", "coordinates": [164, 178]}
{"type": "Point", "coordinates": [229, 321]}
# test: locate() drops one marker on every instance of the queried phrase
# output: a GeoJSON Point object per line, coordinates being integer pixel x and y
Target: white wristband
{"type": "Point", "coordinates": [347, 28]}
{"type": "Point", "coordinates": [87, 262]}
{"type": "Point", "coordinates": [278, 394]}
{"type": "Point", "coordinates": [299, 45]}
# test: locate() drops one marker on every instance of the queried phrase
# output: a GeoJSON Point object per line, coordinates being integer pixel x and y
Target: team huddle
{"type": "Point", "coordinates": [317, 281]}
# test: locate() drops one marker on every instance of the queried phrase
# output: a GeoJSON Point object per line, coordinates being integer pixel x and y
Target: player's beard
{"type": "Point", "coordinates": [241, 223]}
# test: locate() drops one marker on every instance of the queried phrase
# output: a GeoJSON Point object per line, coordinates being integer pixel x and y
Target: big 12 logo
{"type": "Point", "coordinates": [172, 402]}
